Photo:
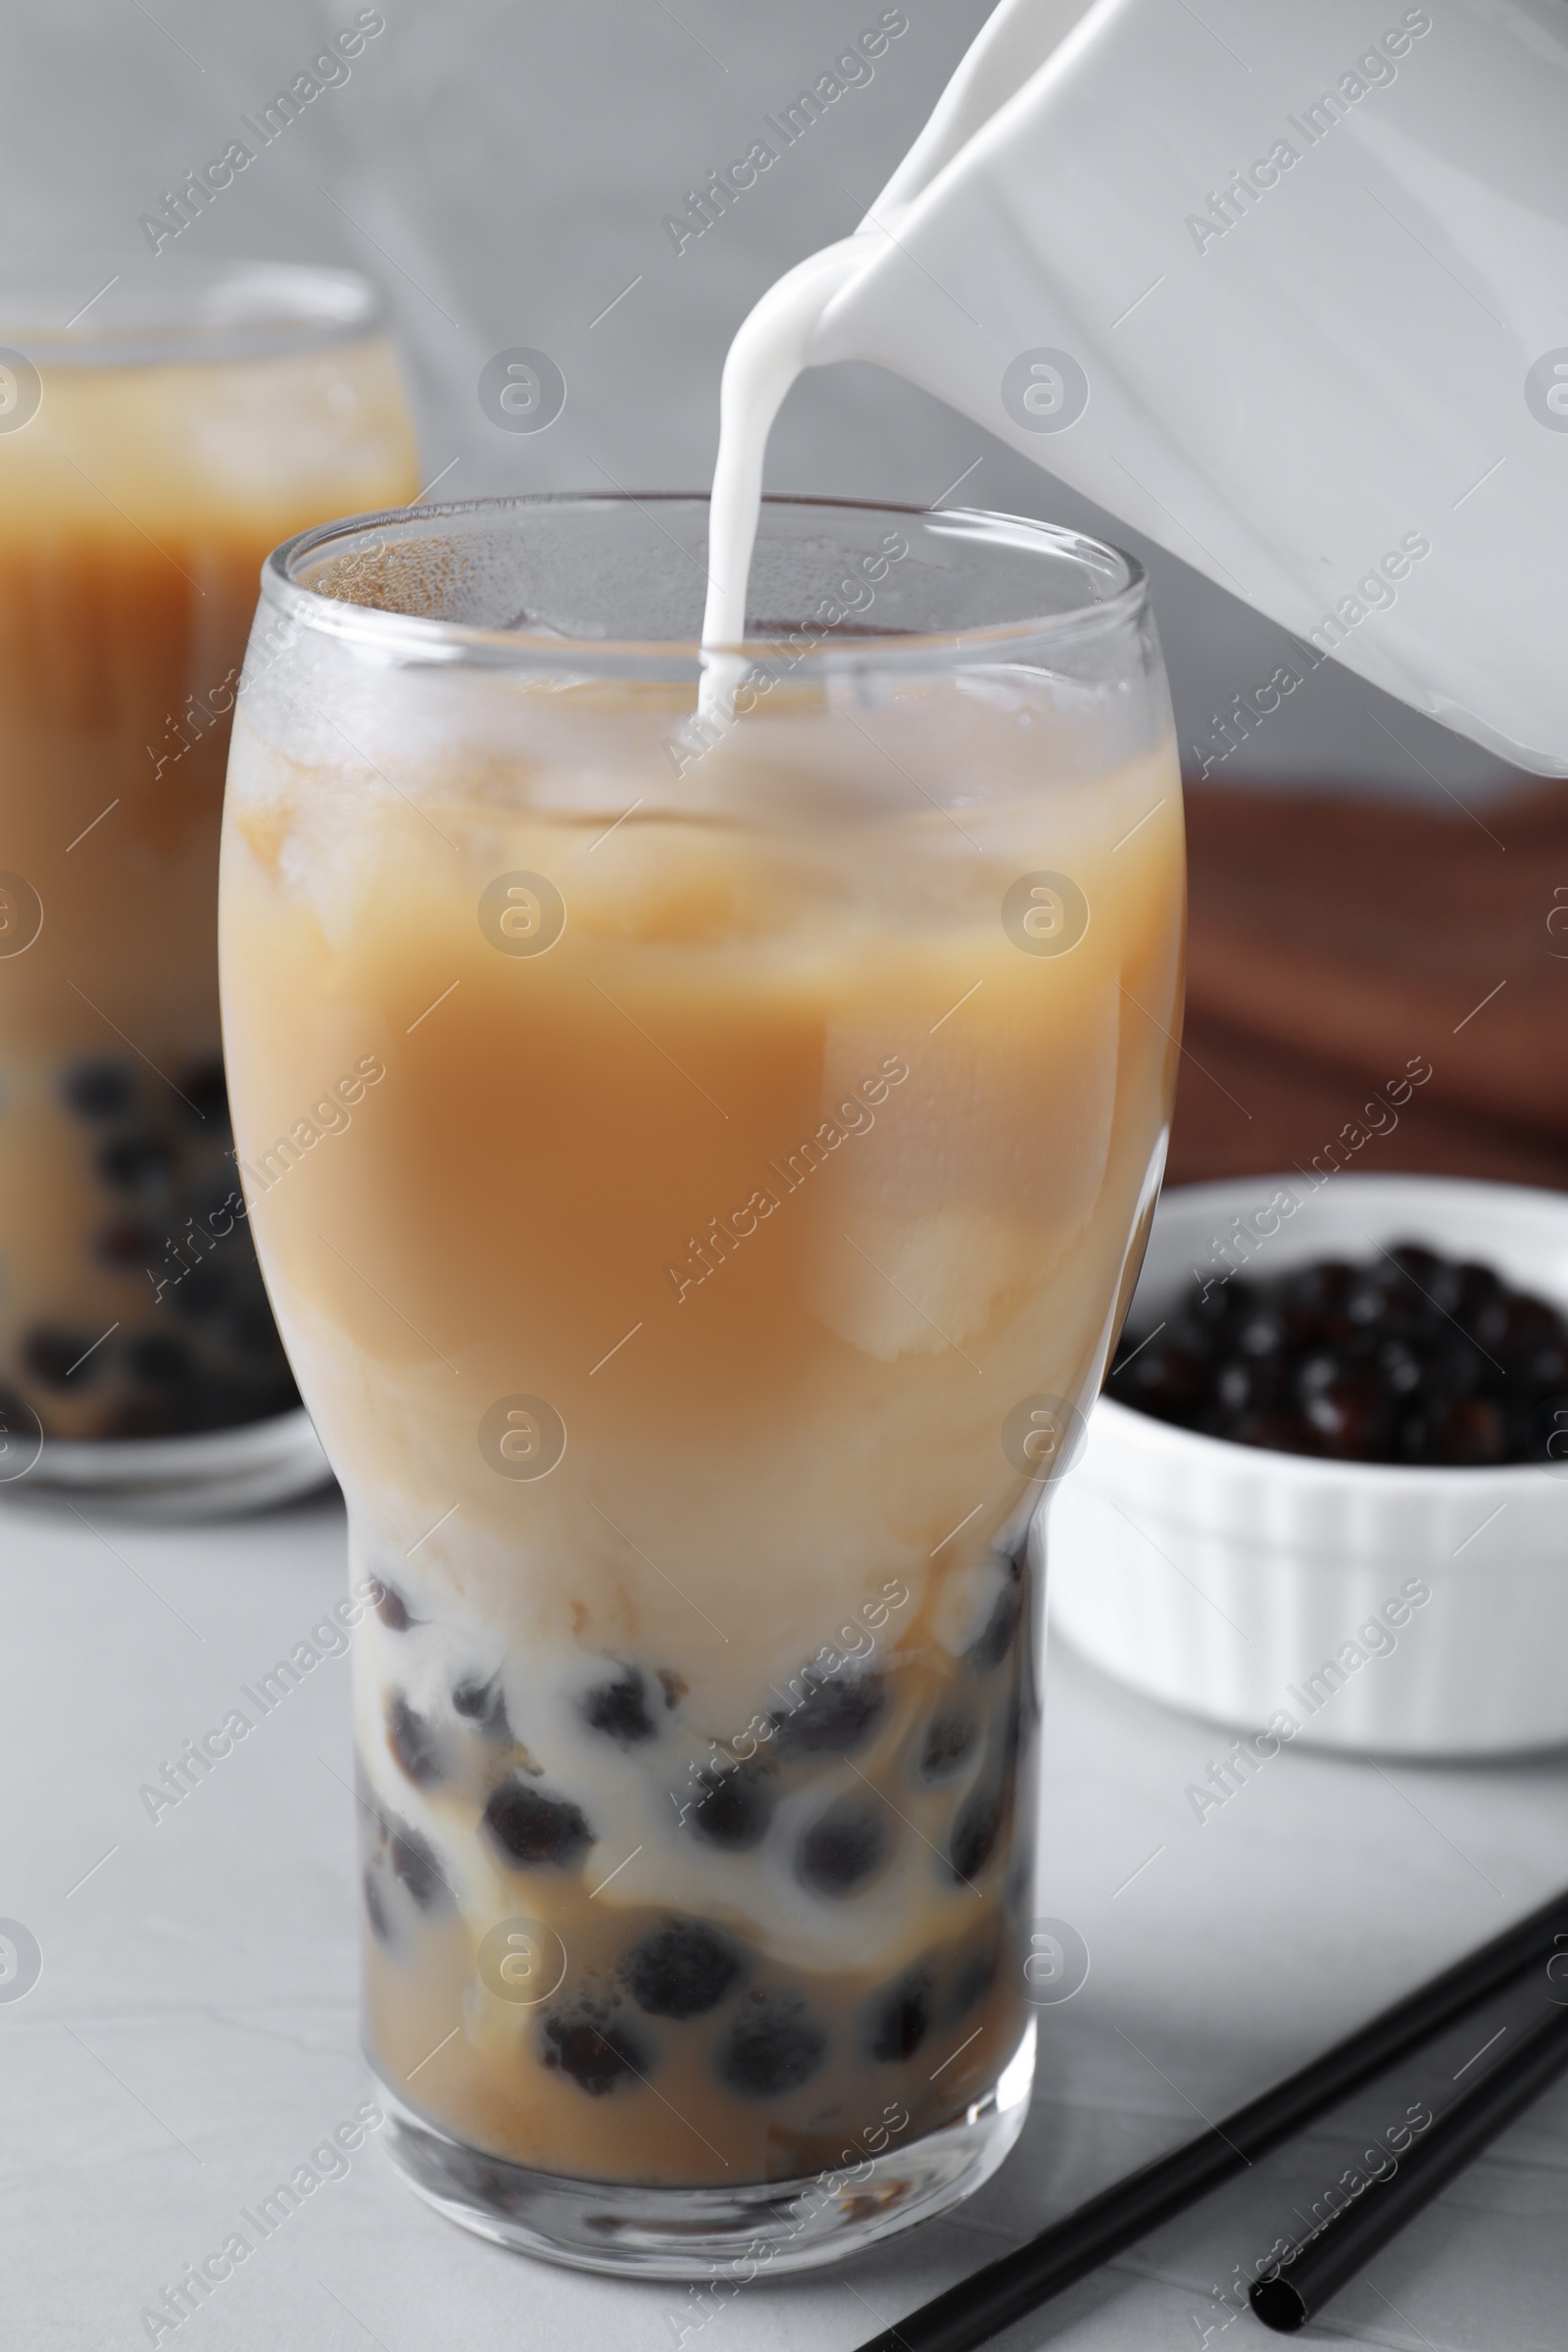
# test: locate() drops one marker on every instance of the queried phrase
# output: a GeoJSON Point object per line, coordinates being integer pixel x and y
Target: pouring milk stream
{"type": "Point", "coordinates": [1284, 286]}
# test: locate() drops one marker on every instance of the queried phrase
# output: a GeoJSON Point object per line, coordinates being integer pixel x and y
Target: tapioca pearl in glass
{"type": "Point", "coordinates": [845, 1847]}
{"type": "Point", "coordinates": [621, 1708]}
{"type": "Point", "coordinates": [483, 1704]}
{"type": "Point", "coordinates": [203, 1293]}
{"type": "Point", "coordinates": [734, 1808]}
{"type": "Point", "coordinates": [683, 1969]}
{"type": "Point", "coordinates": [160, 1360]}
{"type": "Point", "coordinates": [375, 1909]}
{"type": "Point", "coordinates": [61, 1358]}
{"type": "Point", "coordinates": [996, 1638]}
{"type": "Point", "coordinates": [129, 1246]}
{"type": "Point", "coordinates": [776, 2044]}
{"type": "Point", "coordinates": [975, 1835]}
{"type": "Point", "coordinates": [973, 1974]}
{"type": "Point", "coordinates": [898, 2018]}
{"type": "Point", "coordinates": [140, 1165]}
{"type": "Point", "coordinates": [835, 1716]}
{"type": "Point", "coordinates": [202, 1098]}
{"type": "Point", "coordinates": [949, 1744]}
{"type": "Point", "coordinates": [598, 2055]}
{"type": "Point", "coordinates": [414, 1742]}
{"type": "Point", "coordinates": [390, 1606]}
{"type": "Point", "coordinates": [533, 1828]}
{"type": "Point", "coordinates": [100, 1089]}
{"type": "Point", "coordinates": [405, 1851]}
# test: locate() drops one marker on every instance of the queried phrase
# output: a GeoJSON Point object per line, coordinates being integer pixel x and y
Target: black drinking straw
{"type": "Point", "coordinates": [1343, 2245]}
{"type": "Point", "coordinates": [1009, 2289]}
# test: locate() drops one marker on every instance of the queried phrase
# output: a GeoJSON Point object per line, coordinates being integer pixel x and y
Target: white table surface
{"type": "Point", "coordinates": [192, 2035]}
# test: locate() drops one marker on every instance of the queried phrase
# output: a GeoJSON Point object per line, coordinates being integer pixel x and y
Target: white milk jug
{"type": "Point", "coordinates": [1283, 283]}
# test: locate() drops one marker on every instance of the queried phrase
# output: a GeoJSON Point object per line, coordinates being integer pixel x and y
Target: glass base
{"type": "Point", "coordinates": [757, 2230]}
{"type": "Point", "coordinates": [213, 1475]}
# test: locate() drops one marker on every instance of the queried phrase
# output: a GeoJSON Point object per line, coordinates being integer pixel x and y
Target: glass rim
{"type": "Point", "coordinates": [185, 310]}
{"type": "Point", "coordinates": [414, 636]}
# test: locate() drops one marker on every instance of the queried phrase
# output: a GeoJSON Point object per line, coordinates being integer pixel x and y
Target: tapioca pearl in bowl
{"type": "Point", "coordinates": [1399, 1607]}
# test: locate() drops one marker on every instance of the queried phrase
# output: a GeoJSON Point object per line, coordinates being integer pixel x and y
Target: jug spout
{"type": "Point", "coordinates": [1282, 296]}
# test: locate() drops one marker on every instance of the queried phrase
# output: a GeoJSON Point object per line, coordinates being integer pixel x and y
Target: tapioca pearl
{"type": "Point", "coordinates": [947, 1744]}
{"type": "Point", "coordinates": [485, 1705]}
{"type": "Point", "coordinates": [101, 1089]}
{"type": "Point", "coordinates": [1012, 1733]}
{"type": "Point", "coordinates": [126, 1244]}
{"type": "Point", "coordinates": [834, 1714]}
{"type": "Point", "coordinates": [975, 1833]}
{"type": "Point", "coordinates": [375, 1909]}
{"type": "Point", "coordinates": [414, 1866]}
{"type": "Point", "coordinates": [202, 1293]}
{"type": "Point", "coordinates": [160, 1360]}
{"type": "Point", "coordinates": [141, 1165]}
{"type": "Point", "coordinates": [972, 1980]}
{"type": "Point", "coordinates": [899, 2019]}
{"type": "Point", "coordinates": [682, 1970]}
{"type": "Point", "coordinates": [533, 1829]}
{"type": "Point", "coordinates": [776, 2045]}
{"type": "Point", "coordinates": [412, 1739]}
{"type": "Point", "coordinates": [215, 1200]}
{"type": "Point", "coordinates": [843, 1848]}
{"type": "Point", "coordinates": [205, 1094]}
{"type": "Point", "coordinates": [619, 1709]}
{"type": "Point", "coordinates": [734, 1808]}
{"type": "Point", "coordinates": [987, 1651]}
{"type": "Point", "coordinates": [152, 1416]}
{"type": "Point", "coordinates": [61, 1358]}
{"type": "Point", "coordinates": [596, 2056]}
{"type": "Point", "coordinates": [391, 1607]}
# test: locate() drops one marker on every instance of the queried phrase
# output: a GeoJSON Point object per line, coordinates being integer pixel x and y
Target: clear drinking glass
{"type": "Point", "coordinates": [151, 453]}
{"type": "Point", "coordinates": [698, 1164]}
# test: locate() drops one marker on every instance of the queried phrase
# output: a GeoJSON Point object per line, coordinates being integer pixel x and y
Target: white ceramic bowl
{"type": "Point", "coordinates": [1340, 1604]}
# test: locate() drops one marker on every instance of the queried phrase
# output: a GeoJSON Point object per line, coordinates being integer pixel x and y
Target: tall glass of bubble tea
{"type": "Point", "coordinates": [151, 452]}
{"type": "Point", "coordinates": [765, 1099]}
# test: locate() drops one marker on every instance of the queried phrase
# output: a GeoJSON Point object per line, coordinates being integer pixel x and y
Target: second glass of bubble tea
{"type": "Point", "coordinates": [153, 447]}
{"type": "Point", "coordinates": [696, 1307]}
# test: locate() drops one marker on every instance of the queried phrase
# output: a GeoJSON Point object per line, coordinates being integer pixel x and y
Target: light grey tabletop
{"type": "Point", "coordinates": [191, 2037]}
